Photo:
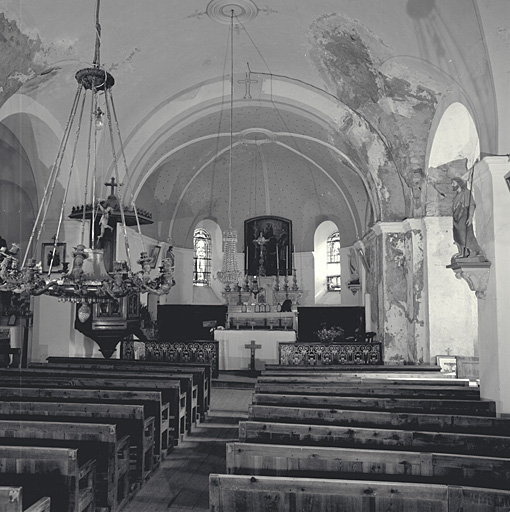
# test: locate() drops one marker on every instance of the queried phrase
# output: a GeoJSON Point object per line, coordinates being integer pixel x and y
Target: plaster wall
{"type": "Point", "coordinates": [493, 215]}
{"type": "Point", "coordinates": [305, 263]}
{"type": "Point", "coordinates": [452, 307]}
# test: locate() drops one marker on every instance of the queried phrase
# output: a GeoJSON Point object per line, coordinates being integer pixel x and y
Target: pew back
{"type": "Point", "coordinates": [321, 462]}
{"type": "Point", "coordinates": [379, 419]}
{"type": "Point", "coordinates": [55, 472]}
{"type": "Point", "coordinates": [240, 493]}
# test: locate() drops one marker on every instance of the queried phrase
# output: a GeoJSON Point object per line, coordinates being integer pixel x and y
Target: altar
{"type": "Point", "coordinates": [234, 356]}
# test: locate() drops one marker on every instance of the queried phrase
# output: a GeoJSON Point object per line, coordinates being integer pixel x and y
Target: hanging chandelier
{"type": "Point", "coordinates": [230, 273]}
{"type": "Point", "coordinates": [87, 280]}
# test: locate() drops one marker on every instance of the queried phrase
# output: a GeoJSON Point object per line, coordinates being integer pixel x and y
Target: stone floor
{"type": "Point", "coordinates": [182, 481]}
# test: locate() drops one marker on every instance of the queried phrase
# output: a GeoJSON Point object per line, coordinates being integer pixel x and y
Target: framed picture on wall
{"type": "Point", "coordinates": [58, 259]}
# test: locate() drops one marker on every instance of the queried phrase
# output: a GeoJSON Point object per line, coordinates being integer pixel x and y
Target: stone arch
{"type": "Point", "coordinates": [356, 142]}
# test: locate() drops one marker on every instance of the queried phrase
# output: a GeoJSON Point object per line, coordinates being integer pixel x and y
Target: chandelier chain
{"type": "Point", "coordinates": [116, 169]}
{"type": "Point", "coordinates": [231, 117]}
{"type": "Point", "coordinates": [48, 191]}
{"type": "Point", "coordinates": [66, 190]}
{"type": "Point", "coordinates": [126, 170]}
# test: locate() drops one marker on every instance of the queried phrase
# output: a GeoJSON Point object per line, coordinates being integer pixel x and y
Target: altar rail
{"type": "Point", "coordinates": [195, 351]}
{"type": "Point", "coordinates": [325, 354]}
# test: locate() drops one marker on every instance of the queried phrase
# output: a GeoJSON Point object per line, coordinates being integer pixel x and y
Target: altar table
{"type": "Point", "coordinates": [234, 356]}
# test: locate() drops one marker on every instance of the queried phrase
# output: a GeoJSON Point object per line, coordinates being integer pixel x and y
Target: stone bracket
{"type": "Point", "coordinates": [354, 287]}
{"type": "Point", "coordinates": [475, 273]}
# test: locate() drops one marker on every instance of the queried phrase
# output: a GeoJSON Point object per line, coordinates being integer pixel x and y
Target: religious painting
{"type": "Point", "coordinates": [268, 249]}
{"type": "Point", "coordinates": [58, 258]}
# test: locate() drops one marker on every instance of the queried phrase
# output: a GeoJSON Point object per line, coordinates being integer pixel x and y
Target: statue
{"type": "Point", "coordinates": [353, 267]}
{"type": "Point", "coordinates": [463, 210]}
{"type": "Point", "coordinates": [103, 222]}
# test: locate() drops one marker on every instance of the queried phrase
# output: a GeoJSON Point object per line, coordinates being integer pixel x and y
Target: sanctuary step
{"type": "Point", "coordinates": [236, 379]}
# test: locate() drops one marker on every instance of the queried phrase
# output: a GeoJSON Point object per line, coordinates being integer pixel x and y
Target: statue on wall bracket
{"type": "Point", "coordinates": [469, 263]}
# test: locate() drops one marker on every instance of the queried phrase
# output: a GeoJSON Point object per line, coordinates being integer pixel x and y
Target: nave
{"type": "Point", "coordinates": [181, 484]}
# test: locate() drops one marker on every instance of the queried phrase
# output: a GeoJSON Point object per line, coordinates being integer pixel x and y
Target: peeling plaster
{"type": "Point", "coordinates": [351, 60]}
{"type": "Point", "coordinates": [18, 58]}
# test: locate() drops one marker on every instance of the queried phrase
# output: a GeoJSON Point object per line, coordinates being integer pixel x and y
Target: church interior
{"type": "Point", "coordinates": [242, 187]}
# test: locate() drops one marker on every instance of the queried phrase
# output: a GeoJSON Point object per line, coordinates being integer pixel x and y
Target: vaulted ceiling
{"type": "Point", "coordinates": [343, 96]}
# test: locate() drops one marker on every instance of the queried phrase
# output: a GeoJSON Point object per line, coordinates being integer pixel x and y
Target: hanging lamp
{"type": "Point", "coordinates": [87, 281]}
{"type": "Point", "coordinates": [230, 273]}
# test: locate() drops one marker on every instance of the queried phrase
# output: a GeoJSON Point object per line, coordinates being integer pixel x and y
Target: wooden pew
{"type": "Point", "coordinates": [201, 372]}
{"type": "Point", "coordinates": [186, 389]}
{"type": "Point", "coordinates": [373, 438]}
{"type": "Point", "coordinates": [198, 397]}
{"type": "Point", "coordinates": [366, 389]}
{"type": "Point", "coordinates": [321, 462]}
{"type": "Point", "coordinates": [99, 441]}
{"type": "Point", "coordinates": [385, 369]}
{"type": "Point", "coordinates": [237, 493]}
{"type": "Point", "coordinates": [357, 378]}
{"type": "Point", "coordinates": [60, 473]}
{"type": "Point", "coordinates": [428, 406]}
{"type": "Point", "coordinates": [130, 420]}
{"type": "Point", "coordinates": [482, 425]}
{"type": "Point", "coordinates": [11, 500]}
{"type": "Point", "coordinates": [151, 401]}
{"type": "Point", "coordinates": [170, 391]}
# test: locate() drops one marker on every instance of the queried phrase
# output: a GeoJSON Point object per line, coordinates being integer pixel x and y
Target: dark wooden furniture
{"type": "Point", "coordinates": [60, 473]}
{"type": "Point", "coordinates": [99, 441]}
{"type": "Point", "coordinates": [229, 493]}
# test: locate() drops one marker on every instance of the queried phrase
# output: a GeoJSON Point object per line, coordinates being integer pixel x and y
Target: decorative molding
{"type": "Point", "coordinates": [475, 273]}
{"type": "Point", "coordinates": [220, 10]}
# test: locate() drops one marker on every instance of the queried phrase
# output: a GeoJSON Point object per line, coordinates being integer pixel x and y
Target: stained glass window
{"type": "Point", "coordinates": [201, 258]}
{"type": "Point", "coordinates": [334, 280]}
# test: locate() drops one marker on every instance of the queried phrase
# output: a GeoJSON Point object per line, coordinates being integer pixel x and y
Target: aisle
{"type": "Point", "coordinates": [182, 482]}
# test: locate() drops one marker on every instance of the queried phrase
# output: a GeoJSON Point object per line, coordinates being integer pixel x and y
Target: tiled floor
{"type": "Point", "coordinates": [182, 481]}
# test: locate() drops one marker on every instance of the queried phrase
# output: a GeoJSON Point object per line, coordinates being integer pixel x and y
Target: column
{"type": "Point", "coordinates": [492, 226]}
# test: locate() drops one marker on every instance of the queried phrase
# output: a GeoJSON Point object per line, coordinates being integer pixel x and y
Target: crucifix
{"type": "Point", "coordinates": [252, 346]}
{"type": "Point", "coordinates": [112, 184]}
{"type": "Point", "coordinates": [247, 81]}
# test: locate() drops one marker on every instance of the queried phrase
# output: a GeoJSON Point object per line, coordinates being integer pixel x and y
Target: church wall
{"type": "Point", "coordinates": [452, 306]}
{"type": "Point", "coordinates": [304, 262]}
{"type": "Point", "coordinates": [493, 233]}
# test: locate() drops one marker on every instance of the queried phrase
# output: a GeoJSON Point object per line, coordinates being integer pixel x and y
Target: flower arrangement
{"type": "Point", "coordinates": [330, 335]}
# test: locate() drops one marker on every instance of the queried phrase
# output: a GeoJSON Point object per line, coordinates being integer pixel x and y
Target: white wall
{"type": "Point", "coordinates": [453, 313]}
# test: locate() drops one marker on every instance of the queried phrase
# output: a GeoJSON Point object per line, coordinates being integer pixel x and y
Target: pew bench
{"type": "Point", "coordinates": [339, 388]}
{"type": "Point", "coordinates": [193, 381]}
{"type": "Point", "coordinates": [202, 373]}
{"type": "Point", "coordinates": [98, 441]}
{"type": "Point", "coordinates": [237, 493]}
{"type": "Point", "coordinates": [373, 438]}
{"type": "Point", "coordinates": [387, 465]}
{"type": "Point", "coordinates": [170, 391]}
{"type": "Point", "coordinates": [390, 404]}
{"type": "Point", "coordinates": [150, 400]}
{"type": "Point", "coordinates": [163, 381]}
{"type": "Point", "coordinates": [130, 421]}
{"type": "Point", "coordinates": [385, 369]}
{"type": "Point", "coordinates": [11, 500]}
{"type": "Point", "coordinates": [351, 378]}
{"type": "Point", "coordinates": [481, 425]}
{"type": "Point", "coordinates": [62, 474]}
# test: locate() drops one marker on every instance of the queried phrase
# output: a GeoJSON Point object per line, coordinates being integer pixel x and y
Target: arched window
{"type": "Point", "coordinates": [201, 258]}
{"type": "Point", "coordinates": [334, 280]}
